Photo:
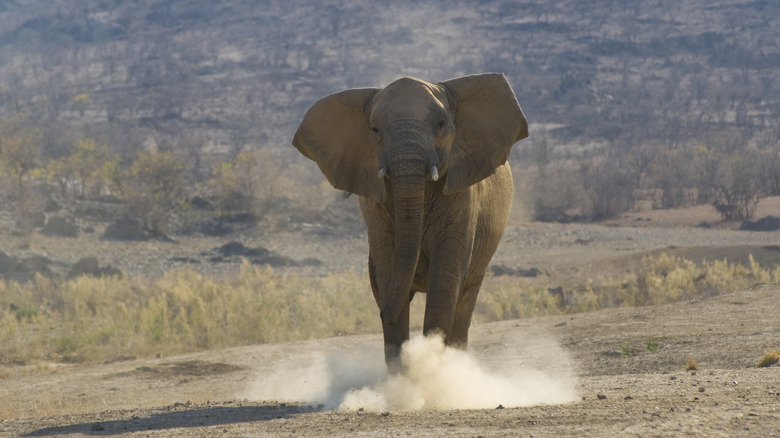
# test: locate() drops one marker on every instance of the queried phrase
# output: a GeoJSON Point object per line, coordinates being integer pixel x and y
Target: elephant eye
{"type": "Point", "coordinates": [442, 123]}
{"type": "Point", "coordinates": [375, 130]}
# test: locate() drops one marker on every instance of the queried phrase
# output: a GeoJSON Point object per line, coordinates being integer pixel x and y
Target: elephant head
{"type": "Point", "coordinates": [390, 144]}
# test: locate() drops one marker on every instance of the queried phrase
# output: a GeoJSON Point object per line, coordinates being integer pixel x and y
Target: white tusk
{"type": "Point", "coordinates": [382, 172]}
{"type": "Point", "coordinates": [434, 173]}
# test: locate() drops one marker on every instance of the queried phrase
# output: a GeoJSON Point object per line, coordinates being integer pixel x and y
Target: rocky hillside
{"type": "Point", "coordinates": [240, 73]}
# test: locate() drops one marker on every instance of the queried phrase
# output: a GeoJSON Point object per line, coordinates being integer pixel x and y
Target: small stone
{"type": "Point", "coordinates": [601, 396]}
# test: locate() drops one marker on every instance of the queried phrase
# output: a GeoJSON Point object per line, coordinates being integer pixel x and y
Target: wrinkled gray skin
{"type": "Point", "coordinates": [429, 164]}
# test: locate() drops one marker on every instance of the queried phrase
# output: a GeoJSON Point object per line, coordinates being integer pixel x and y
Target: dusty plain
{"type": "Point", "coordinates": [644, 393]}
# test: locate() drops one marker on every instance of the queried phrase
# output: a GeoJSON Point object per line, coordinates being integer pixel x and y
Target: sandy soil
{"type": "Point", "coordinates": [616, 372]}
{"type": "Point", "coordinates": [645, 393]}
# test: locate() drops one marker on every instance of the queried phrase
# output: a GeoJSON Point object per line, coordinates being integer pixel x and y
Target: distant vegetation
{"type": "Point", "coordinates": [155, 187]}
{"type": "Point", "coordinates": [672, 102]}
{"type": "Point", "coordinates": [88, 319]}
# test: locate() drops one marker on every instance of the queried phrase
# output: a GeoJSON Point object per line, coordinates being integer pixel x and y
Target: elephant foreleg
{"type": "Point", "coordinates": [394, 334]}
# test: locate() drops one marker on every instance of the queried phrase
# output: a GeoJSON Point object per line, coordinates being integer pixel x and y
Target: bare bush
{"type": "Point", "coordinates": [610, 187]}
{"type": "Point", "coordinates": [672, 178]}
{"type": "Point", "coordinates": [739, 187]}
{"type": "Point", "coordinates": [247, 185]}
{"type": "Point", "coordinates": [557, 194]}
{"type": "Point", "coordinates": [157, 189]}
{"type": "Point", "coordinates": [732, 173]}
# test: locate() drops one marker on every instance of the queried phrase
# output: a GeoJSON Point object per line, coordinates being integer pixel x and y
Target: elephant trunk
{"type": "Point", "coordinates": [408, 179]}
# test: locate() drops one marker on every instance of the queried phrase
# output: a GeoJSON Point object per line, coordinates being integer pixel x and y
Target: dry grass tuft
{"type": "Point", "coordinates": [691, 364]}
{"type": "Point", "coordinates": [769, 358]}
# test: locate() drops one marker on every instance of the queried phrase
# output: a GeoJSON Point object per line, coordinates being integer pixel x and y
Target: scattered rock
{"type": "Point", "coordinates": [31, 220]}
{"type": "Point", "coordinates": [25, 269]}
{"type": "Point", "coordinates": [187, 260]}
{"type": "Point", "coordinates": [94, 212]}
{"type": "Point", "coordinates": [499, 270]}
{"type": "Point", "coordinates": [34, 264]}
{"type": "Point", "coordinates": [215, 228]}
{"type": "Point", "coordinates": [238, 249]}
{"type": "Point", "coordinates": [7, 263]}
{"type": "Point", "coordinates": [51, 206]}
{"type": "Point", "coordinates": [256, 256]}
{"type": "Point", "coordinates": [125, 229]}
{"type": "Point", "coordinates": [201, 203]}
{"type": "Point", "coordinates": [311, 262]}
{"type": "Point", "coordinates": [275, 261]}
{"type": "Point", "coordinates": [767, 223]}
{"type": "Point", "coordinates": [90, 266]}
{"type": "Point", "coordinates": [60, 226]}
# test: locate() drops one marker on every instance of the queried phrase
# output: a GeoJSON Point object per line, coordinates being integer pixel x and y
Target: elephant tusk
{"type": "Point", "coordinates": [382, 172]}
{"type": "Point", "coordinates": [434, 173]}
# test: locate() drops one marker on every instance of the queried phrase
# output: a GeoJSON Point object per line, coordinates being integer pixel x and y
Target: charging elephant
{"type": "Point", "coordinates": [428, 162]}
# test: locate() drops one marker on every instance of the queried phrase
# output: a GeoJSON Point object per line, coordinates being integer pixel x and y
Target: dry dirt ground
{"type": "Point", "coordinates": [615, 372]}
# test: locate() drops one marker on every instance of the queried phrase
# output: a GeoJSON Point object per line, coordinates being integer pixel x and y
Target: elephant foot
{"type": "Point", "coordinates": [393, 359]}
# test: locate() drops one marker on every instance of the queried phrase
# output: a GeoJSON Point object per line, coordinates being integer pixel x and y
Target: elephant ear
{"type": "Point", "coordinates": [334, 134]}
{"type": "Point", "coordinates": [488, 121]}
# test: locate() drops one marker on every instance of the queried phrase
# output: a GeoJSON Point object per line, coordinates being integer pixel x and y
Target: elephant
{"type": "Point", "coordinates": [428, 162]}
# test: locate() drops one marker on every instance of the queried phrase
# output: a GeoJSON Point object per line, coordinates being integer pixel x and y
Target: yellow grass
{"type": "Point", "coordinates": [769, 358]}
{"type": "Point", "coordinates": [96, 319]}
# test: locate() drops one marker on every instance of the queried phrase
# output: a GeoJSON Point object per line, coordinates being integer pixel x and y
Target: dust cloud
{"type": "Point", "coordinates": [435, 377]}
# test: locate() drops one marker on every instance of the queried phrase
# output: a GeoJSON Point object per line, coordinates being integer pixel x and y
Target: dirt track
{"type": "Point", "coordinates": [648, 393]}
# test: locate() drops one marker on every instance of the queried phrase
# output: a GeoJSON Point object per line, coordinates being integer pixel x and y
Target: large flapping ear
{"type": "Point", "coordinates": [488, 121]}
{"type": "Point", "coordinates": [334, 134]}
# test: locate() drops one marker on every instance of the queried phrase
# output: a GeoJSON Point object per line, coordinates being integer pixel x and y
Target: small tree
{"type": "Point", "coordinates": [20, 150]}
{"type": "Point", "coordinates": [236, 186]}
{"type": "Point", "coordinates": [89, 167]}
{"type": "Point", "coordinates": [157, 189]}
